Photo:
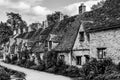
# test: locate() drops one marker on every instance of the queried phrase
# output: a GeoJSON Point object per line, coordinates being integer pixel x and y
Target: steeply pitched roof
{"type": "Point", "coordinates": [29, 35]}
{"type": "Point", "coordinates": [69, 34]}
{"type": "Point", "coordinates": [104, 18]}
{"type": "Point", "coordinates": [66, 32]}
{"type": "Point", "coordinates": [21, 35]}
{"type": "Point", "coordinates": [43, 36]}
{"type": "Point", "coordinates": [36, 34]}
{"type": "Point", "coordinates": [39, 48]}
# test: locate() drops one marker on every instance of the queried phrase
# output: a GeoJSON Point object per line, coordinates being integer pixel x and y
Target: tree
{"type": "Point", "coordinates": [15, 20]}
{"type": "Point", "coordinates": [35, 26]}
{"type": "Point", "coordinates": [98, 5]}
{"type": "Point", "coordinates": [53, 18]}
{"type": "Point", "coordinates": [5, 32]}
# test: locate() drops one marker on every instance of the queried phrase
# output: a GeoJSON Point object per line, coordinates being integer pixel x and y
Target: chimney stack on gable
{"type": "Point", "coordinates": [29, 29]}
{"type": "Point", "coordinates": [45, 24]}
{"type": "Point", "coordinates": [82, 8]}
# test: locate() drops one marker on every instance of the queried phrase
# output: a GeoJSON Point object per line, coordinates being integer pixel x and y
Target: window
{"type": "Point", "coordinates": [46, 43]}
{"type": "Point", "coordinates": [101, 53]}
{"type": "Point", "coordinates": [78, 58]}
{"type": "Point", "coordinates": [88, 36]}
{"type": "Point", "coordinates": [62, 57]}
{"type": "Point", "coordinates": [87, 58]}
{"type": "Point", "coordinates": [50, 44]}
{"type": "Point", "coordinates": [81, 36]}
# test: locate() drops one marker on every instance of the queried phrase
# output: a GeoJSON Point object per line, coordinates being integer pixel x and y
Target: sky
{"type": "Point", "coordinates": [36, 10]}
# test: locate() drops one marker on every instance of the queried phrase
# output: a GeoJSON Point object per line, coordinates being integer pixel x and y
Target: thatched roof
{"type": "Point", "coordinates": [42, 37]}
{"type": "Point", "coordinates": [39, 48]}
{"type": "Point", "coordinates": [36, 34]}
{"type": "Point", "coordinates": [66, 32]}
{"type": "Point", "coordinates": [105, 18]}
{"type": "Point", "coordinates": [29, 35]}
{"type": "Point", "coordinates": [69, 33]}
{"type": "Point", "coordinates": [21, 35]}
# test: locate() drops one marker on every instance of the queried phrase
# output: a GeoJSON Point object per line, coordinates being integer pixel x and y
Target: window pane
{"type": "Point", "coordinates": [78, 58]}
{"type": "Point", "coordinates": [101, 53]}
{"type": "Point", "coordinates": [62, 57]}
{"type": "Point", "coordinates": [81, 36]}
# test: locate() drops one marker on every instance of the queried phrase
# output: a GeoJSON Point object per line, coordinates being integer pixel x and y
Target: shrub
{"type": "Point", "coordinates": [29, 63]}
{"type": "Point", "coordinates": [52, 69]}
{"type": "Point", "coordinates": [97, 67]}
{"type": "Point", "coordinates": [73, 71]}
{"type": "Point", "coordinates": [38, 67]}
{"type": "Point", "coordinates": [4, 75]}
{"type": "Point", "coordinates": [50, 59]}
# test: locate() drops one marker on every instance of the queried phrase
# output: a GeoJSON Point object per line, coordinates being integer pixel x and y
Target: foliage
{"type": "Point", "coordinates": [107, 15]}
{"type": "Point", "coordinates": [4, 75]}
{"type": "Point", "coordinates": [35, 26]}
{"type": "Point", "coordinates": [15, 20]}
{"type": "Point", "coordinates": [50, 59]}
{"type": "Point", "coordinates": [97, 68]}
{"type": "Point", "coordinates": [98, 5]}
{"type": "Point", "coordinates": [29, 63]}
{"type": "Point", "coordinates": [53, 18]}
{"type": "Point", "coordinates": [5, 32]}
{"type": "Point", "coordinates": [12, 72]}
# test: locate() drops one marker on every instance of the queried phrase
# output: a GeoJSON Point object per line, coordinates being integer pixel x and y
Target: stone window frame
{"type": "Point", "coordinates": [101, 55]}
{"type": "Point", "coordinates": [82, 36]}
{"type": "Point", "coordinates": [78, 60]}
{"type": "Point", "coordinates": [62, 57]}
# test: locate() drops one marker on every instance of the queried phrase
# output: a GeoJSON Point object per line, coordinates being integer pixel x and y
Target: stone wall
{"type": "Point", "coordinates": [80, 48]}
{"type": "Point", "coordinates": [110, 39]}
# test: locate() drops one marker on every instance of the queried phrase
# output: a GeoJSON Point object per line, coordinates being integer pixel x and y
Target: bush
{"type": "Point", "coordinates": [4, 75]}
{"type": "Point", "coordinates": [95, 68]}
{"type": "Point", "coordinates": [38, 67]}
{"type": "Point", "coordinates": [52, 69]}
{"type": "Point", "coordinates": [29, 63]}
{"type": "Point", "coordinates": [73, 71]}
{"type": "Point", "coordinates": [50, 59]}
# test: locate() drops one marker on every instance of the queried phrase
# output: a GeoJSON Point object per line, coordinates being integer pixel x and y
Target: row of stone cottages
{"type": "Point", "coordinates": [72, 40]}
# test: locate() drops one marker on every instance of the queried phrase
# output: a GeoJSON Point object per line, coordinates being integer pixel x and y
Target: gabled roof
{"type": "Point", "coordinates": [95, 27]}
{"type": "Point", "coordinates": [29, 35]}
{"type": "Point", "coordinates": [66, 32]}
{"type": "Point", "coordinates": [39, 48]}
{"type": "Point", "coordinates": [21, 35]}
{"type": "Point", "coordinates": [69, 33]}
{"type": "Point", "coordinates": [104, 18]}
{"type": "Point", "coordinates": [42, 37]}
{"type": "Point", "coordinates": [36, 34]}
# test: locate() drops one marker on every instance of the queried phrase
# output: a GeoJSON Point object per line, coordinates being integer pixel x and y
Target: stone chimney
{"type": "Point", "coordinates": [82, 8]}
{"type": "Point", "coordinates": [15, 31]}
{"type": "Point", "coordinates": [29, 29]}
{"type": "Point", "coordinates": [24, 30]}
{"type": "Point", "coordinates": [39, 25]}
{"type": "Point", "coordinates": [61, 16]}
{"type": "Point", "coordinates": [45, 24]}
{"type": "Point", "coordinates": [19, 31]}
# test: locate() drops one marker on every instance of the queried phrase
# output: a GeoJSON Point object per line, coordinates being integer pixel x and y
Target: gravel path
{"type": "Point", "coordinates": [35, 75]}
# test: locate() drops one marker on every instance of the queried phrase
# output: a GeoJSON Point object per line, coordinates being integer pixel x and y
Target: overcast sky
{"type": "Point", "coordinates": [36, 10]}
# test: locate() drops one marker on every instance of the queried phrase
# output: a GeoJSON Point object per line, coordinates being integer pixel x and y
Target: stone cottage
{"type": "Point", "coordinates": [105, 41]}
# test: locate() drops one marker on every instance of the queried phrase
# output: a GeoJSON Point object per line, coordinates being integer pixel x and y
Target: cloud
{"type": "Point", "coordinates": [72, 9]}
{"type": "Point", "coordinates": [14, 5]}
{"type": "Point", "coordinates": [38, 10]}
{"type": "Point", "coordinates": [25, 7]}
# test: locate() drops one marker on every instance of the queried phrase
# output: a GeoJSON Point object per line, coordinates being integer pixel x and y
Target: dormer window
{"type": "Point", "coordinates": [82, 37]}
